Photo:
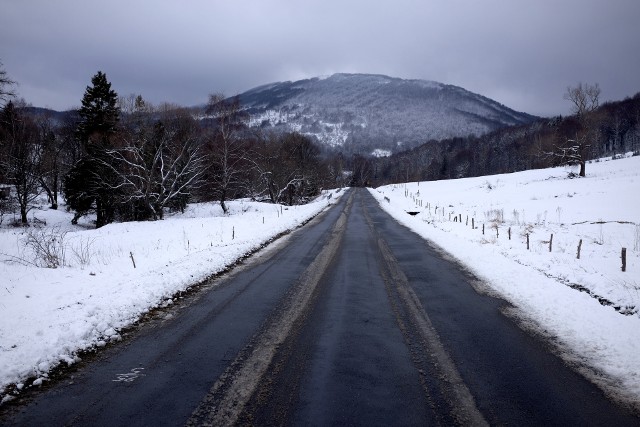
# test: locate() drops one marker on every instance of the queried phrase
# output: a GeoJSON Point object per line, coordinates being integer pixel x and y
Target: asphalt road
{"type": "Point", "coordinates": [352, 320]}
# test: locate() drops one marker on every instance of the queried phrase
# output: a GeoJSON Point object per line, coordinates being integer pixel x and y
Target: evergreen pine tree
{"type": "Point", "coordinates": [99, 114]}
{"type": "Point", "coordinates": [92, 181]}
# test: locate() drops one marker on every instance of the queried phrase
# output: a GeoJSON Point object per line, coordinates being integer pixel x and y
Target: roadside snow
{"type": "Point", "coordinates": [602, 209]}
{"type": "Point", "coordinates": [48, 314]}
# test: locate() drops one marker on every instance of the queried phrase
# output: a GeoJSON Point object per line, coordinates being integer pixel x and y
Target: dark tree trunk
{"type": "Point", "coordinates": [272, 193]}
{"type": "Point", "coordinates": [23, 198]}
{"type": "Point", "coordinates": [51, 195]}
{"type": "Point", "coordinates": [54, 203]}
{"type": "Point", "coordinates": [223, 198]}
{"type": "Point", "coordinates": [23, 214]}
{"type": "Point", "coordinates": [100, 220]}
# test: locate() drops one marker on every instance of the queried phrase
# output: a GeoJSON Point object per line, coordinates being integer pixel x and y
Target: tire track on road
{"type": "Point", "coordinates": [226, 400]}
{"type": "Point", "coordinates": [440, 378]}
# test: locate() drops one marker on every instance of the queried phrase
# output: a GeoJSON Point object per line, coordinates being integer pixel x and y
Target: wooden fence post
{"type": "Point", "coordinates": [483, 229]}
{"type": "Point", "coordinates": [473, 223]}
{"type": "Point", "coordinates": [527, 241]}
{"type": "Point", "coordinates": [509, 232]}
{"type": "Point", "coordinates": [624, 259]}
{"type": "Point", "coordinates": [579, 247]}
{"type": "Point", "coordinates": [550, 242]}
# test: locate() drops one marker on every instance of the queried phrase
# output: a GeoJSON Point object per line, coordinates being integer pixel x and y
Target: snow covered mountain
{"type": "Point", "coordinates": [375, 114]}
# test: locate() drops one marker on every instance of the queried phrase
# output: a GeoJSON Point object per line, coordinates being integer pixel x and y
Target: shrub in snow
{"type": "Point", "coordinates": [494, 216]}
{"type": "Point", "coordinates": [47, 246]}
{"type": "Point", "coordinates": [83, 251]}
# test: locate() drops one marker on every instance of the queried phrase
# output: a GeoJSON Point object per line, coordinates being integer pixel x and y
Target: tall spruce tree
{"type": "Point", "coordinates": [99, 114]}
{"type": "Point", "coordinates": [91, 184]}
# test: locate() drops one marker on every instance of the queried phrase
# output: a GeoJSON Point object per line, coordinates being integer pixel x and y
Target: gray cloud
{"type": "Point", "coordinates": [522, 53]}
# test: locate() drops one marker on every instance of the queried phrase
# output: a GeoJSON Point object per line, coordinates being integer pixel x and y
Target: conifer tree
{"type": "Point", "coordinates": [99, 114]}
{"type": "Point", "coordinates": [91, 183]}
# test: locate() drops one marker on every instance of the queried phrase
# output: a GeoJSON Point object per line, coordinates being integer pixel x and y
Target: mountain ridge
{"type": "Point", "coordinates": [365, 112]}
{"type": "Point", "coordinates": [370, 114]}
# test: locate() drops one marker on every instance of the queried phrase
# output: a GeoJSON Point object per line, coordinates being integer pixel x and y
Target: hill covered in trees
{"type": "Point", "coordinates": [607, 130]}
{"type": "Point", "coordinates": [365, 113]}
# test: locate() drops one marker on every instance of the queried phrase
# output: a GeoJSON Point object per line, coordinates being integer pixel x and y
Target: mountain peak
{"type": "Point", "coordinates": [364, 112]}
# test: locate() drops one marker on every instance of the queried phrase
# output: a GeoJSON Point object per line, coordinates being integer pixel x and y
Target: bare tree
{"type": "Point", "coordinates": [616, 141]}
{"type": "Point", "coordinates": [290, 168]}
{"type": "Point", "coordinates": [52, 148]}
{"type": "Point", "coordinates": [336, 170]}
{"type": "Point", "coordinates": [585, 98]}
{"type": "Point", "coordinates": [362, 170]}
{"type": "Point", "coordinates": [158, 165]}
{"type": "Point", "coordinates": [6, 91]}
{"type": "Point", "coordinates": [22, 153]}
{"type": "Point", "coordinates": [262, 185]}
{"type": "Point", "coordinates": [228, 156]}
{"type": "Point", "coordinates": [577, 150]}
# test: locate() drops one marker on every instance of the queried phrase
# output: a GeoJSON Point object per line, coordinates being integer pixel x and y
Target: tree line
{"type": "Point", "coordinates": [592, 131]}
{"type": "Point", "coordinates": [123, 159]}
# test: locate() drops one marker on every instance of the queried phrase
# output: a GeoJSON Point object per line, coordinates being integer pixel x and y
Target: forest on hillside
{"type": "Point", "coordinates": [610, 129]}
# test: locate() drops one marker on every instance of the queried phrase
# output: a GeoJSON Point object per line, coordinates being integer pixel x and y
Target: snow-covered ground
{"type": "Point", "coordinates": [48, 314]}
{"type": "Point", "coordinates": [602, 210]}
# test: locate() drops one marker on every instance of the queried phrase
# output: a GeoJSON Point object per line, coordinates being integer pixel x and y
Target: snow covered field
{"type": "Point", "coordinates": [48, 314]}
{"type": "Point", "coordinates": [588, 306]}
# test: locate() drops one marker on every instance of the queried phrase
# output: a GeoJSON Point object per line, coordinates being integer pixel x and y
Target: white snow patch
{"type": "Point", "coordinates": [379, 152]}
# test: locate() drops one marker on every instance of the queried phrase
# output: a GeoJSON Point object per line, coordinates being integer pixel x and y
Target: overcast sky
{"type": "Point", "coordinates": [522, 53]}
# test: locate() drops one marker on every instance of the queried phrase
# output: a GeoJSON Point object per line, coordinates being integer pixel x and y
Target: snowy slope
{"type": "Point", "coordinates": [47, 315]}
{"type": "Point", "coordinates": [588, 306]}
{"type": "Point", "coordinates": [364, 112]}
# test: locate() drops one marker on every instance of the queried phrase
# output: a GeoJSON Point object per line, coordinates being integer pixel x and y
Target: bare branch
{"type": "Point", "coordinates": [585, 98]}
{"type": "Point", "coordinates": [6, 84]}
